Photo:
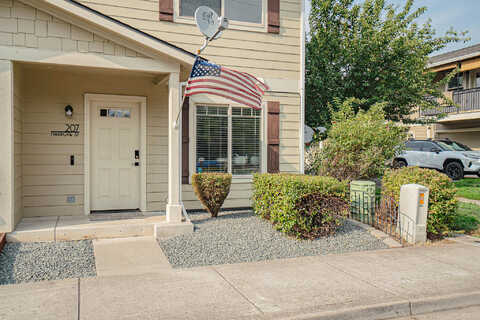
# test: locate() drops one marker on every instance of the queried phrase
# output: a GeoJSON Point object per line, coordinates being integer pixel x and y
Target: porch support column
{"type": "Point", "coordinates": [6, 147]}
{"type": "Point", "coordinates": [174, 205]}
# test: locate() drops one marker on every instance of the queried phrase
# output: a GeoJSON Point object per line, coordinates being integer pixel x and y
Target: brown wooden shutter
{"type": "Point", "coordinates": [273, 137]}
{"type": "Point", "coordinates": [274, 16]}
{"type": "Point", "coordinates": [166, 10]}
{"type": "Point", "coordinates": [185, 141]}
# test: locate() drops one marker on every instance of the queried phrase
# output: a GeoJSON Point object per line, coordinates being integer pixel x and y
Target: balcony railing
{"type": "Point", "coordinates": [464, 100]}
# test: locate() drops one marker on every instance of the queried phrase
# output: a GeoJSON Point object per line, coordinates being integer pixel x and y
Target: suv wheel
{"type": "Point", "coordinates": [399, 163]}
{"type": "Point", "coordinates": [454, 170]}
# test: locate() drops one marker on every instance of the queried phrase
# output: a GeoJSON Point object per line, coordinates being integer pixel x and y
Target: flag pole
{"type": "Point", "coordinates": [199, 51]}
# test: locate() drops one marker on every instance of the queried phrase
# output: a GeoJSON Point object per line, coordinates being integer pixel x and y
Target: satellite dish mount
{"type": "Point", "coordinates": [209, 24]}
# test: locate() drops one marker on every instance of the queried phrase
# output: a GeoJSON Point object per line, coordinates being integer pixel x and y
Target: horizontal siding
{"type": "Point", "coordinates": [239, 196]}
{"type": "Point", "coordinates": [48, 177]}
{"type": "Point", "coordinates": [266, 55]}
{"type": "Point", "coordinates": [43, 176]}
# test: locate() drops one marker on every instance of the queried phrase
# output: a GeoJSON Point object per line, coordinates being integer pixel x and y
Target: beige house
{"type": "Point", "coordinates": [462, 122]}
{"type": "Point", "coordinates": [89, 92]}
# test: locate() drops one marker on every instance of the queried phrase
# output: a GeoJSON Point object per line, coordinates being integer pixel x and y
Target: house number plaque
{"type": "Point", "coordinates": [71, 130]}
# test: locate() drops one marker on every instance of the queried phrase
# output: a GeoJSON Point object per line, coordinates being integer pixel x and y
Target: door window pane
{"type": "Point", "coordinates": [244, 10]}
{"type": "Point", "coordinates": [188, 7]}
{"type": "Point", "coordinates": [212, 139]}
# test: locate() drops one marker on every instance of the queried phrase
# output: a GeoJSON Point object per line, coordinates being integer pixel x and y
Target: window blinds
{"type": "Point", "coordinates": [228, 140]}
{"type": "Point", "coordinates": [212, 139]}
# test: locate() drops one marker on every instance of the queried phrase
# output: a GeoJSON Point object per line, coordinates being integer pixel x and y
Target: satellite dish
{"type": "Point", "coordinates": [208, 22]}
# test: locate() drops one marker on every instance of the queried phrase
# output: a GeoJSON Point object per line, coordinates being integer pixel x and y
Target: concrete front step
{"type": "Point", "coordinates": [68, 228]}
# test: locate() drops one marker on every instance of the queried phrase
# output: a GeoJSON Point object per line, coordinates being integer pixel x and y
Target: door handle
{"type": "Point", "coordinates": [137, 164]}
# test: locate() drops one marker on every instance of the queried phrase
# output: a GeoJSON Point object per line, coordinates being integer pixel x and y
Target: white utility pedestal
{"type": "Point", "coordinates": [413, 213]}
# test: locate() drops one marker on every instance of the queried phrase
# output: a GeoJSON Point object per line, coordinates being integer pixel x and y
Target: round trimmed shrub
{"type": "Point", "coordinates": [442, 205]}
{"type": "Point", "coordinates": [212, 189]}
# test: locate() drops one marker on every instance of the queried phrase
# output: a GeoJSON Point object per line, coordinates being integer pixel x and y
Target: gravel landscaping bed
{"type": "Point", "coordinates": [26, 262]}
{"type": "Point", "coordinates": [243, 237]}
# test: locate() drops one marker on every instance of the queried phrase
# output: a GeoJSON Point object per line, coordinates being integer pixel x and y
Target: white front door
{"type": "Point", "coordinates": [115, 153]}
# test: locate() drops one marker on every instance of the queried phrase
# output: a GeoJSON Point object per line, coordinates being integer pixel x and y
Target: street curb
{"type": "Point", "coordinates": [372, 312]}
{"type": "Point", "coordinates": [434, 304]}
{"type": "Point", "coordinates": [397, 309]}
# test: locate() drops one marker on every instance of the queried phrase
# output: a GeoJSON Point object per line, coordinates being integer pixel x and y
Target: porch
{"type": "Point", "coordinates": [96, 226]}
{"type": "Point", "coordinates": [51, 181]}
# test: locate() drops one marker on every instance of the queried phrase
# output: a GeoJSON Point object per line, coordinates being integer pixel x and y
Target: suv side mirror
{"type": "Point", "coordinates": [436, 150]}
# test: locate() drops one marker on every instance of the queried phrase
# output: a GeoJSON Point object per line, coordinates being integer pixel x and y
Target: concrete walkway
{"type": "Point", "coordinates": [124, 256]}
{"type": "Point", "coordinates": [389, 283]}
{"type": "Point", "coordinates": [477, 202]}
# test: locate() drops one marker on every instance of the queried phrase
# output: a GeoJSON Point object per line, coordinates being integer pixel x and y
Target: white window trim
{"type": "Point", "coordinates": [233, 24]}
{"type": "Point", "coordinates": [193, 140]}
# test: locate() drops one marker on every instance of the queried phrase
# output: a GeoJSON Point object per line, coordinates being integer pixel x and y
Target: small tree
{"type": "Point", "coordinates": [358, 146]}
{"type": "Point", "coordinates": [372, 51]}
{"type": "Point", "coordinates": [212, 189]}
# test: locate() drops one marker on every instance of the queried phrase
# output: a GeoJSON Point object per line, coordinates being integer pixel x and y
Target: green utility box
{"type": "Point", "coordinates": [362, 197]}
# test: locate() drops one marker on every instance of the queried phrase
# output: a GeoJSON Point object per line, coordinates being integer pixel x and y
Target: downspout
{"type": "Point", "coordinates": [302, 90]}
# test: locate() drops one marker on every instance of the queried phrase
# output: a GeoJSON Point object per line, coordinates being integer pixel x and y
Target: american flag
{"type": "Point", "coordinates": [237, 86]}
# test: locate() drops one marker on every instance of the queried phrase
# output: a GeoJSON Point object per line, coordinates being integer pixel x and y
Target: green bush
{"type": "Point", "coordinates": [278, 198]}
{"type": "Point", "coordinates": [212, 189]}
{"type": "Point", "coordinates": [442, 204]}
{"type": "Point", "coordinates": [359, 145]}
{"type": "Point", "coordinates": [319, 215]}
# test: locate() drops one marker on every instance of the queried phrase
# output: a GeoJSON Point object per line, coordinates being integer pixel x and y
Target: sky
{"type": "Point", "coordinates": [462, 15]}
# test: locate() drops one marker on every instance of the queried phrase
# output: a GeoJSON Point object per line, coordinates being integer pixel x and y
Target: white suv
{"type": "Point", "coordinates": [450, 157]}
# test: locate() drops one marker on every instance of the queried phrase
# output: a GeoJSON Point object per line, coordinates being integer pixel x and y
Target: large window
{"type": "Point", "coordinates": [228, 140]}
{"type": "Point", "coordinates": [237, 10]}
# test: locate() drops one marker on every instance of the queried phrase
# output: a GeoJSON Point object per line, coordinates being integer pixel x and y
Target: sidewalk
{"type": "Point", "coordinates": [375, 285]}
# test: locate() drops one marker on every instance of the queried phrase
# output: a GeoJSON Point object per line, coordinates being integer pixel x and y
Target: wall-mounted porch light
{"type": "Point", "coordinates": [68, 111]}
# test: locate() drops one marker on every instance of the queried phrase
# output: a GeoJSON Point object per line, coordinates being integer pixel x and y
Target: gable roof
{"type": "Point", "coordinates": [455, 56]}
{"type": "Point", "coordinates": [86, 17]}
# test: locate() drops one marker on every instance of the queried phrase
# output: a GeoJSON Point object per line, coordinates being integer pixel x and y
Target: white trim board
{"type": "Point", "coordinates": [142, 101]}
{"type": "Point", "coordinates": [93, 60]}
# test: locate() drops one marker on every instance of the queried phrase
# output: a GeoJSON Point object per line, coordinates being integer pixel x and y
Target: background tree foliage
{"type": "Point", "coordinates": [359, 145]}
{"type": "Point", "coordinates": [373, 52]}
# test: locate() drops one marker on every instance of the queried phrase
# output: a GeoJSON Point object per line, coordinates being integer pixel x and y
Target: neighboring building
{"type": "Point", "coordinates": [462, 123]}
{"type": "Point", "coordinates": [119, 65]}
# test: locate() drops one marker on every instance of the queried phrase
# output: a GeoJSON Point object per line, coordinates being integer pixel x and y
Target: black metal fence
{"type": "Point", "coordinates": [382, 213]}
